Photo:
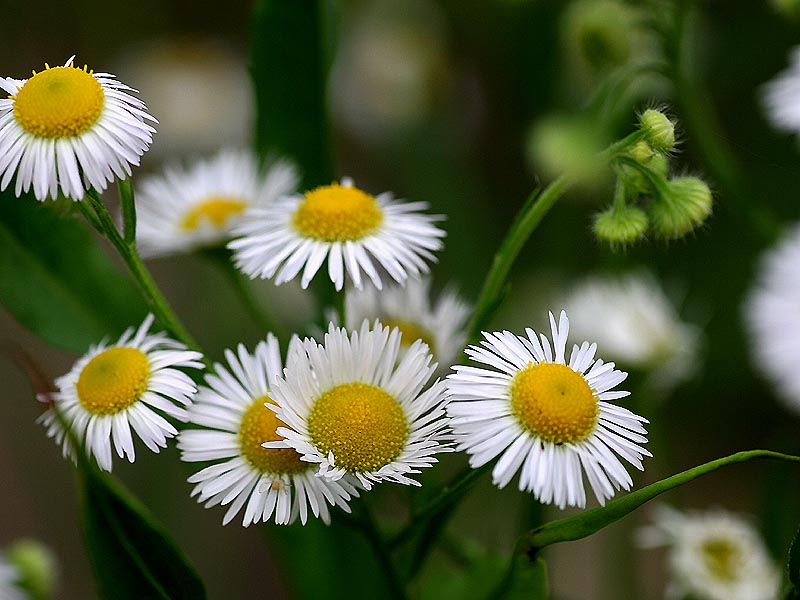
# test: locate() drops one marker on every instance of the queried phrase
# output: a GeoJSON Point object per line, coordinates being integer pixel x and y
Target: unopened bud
{"type": "Point", "coordinates": [601, 34]}
{"type": "Point", "coordinates": [37, 568]}
{"type": "Point", "coordinates": [643, 153]}
{"type": "Point", "coordinates": [620, 226]}
{"type": "Point", "coordinates": [658, 129]}
{"type": "Point", "coordinates": [684, 206]}
{"type": "Point", "coordinates": [560, 144]}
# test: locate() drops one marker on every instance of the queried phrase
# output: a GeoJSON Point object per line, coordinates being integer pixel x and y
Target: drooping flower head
{"type": "Point", "coordinates": [351, 229]}
{"type": "Point", "coordinates": [357, 412]}
{"type": "Point", "coordinates": [712, 555]}
{"type": "Point", "coordinates": [547, 417]}
{"type": "Point", "coordinates": [67, 129]}
{"type": "Point", "coordinates": [410, 309]}
{"type": "Point", "coordinates": [267, 483]}
{"type": "Point", "coordinates": [184, 209]}
{"type": "Point", "coordinates": [129, 385]}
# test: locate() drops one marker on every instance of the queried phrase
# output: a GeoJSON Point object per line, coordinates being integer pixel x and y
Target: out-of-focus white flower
{"type": "Point", "coordinates": [9, 578]}
{"type": "Point", "coordinates": [782, 96]}
{"type": "Point", "coordinates": [713, 555]}
{"type": "Point", "coordinates": [631, 319]}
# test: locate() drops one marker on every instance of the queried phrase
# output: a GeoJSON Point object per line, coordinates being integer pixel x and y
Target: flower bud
{"type": "Point", "coordinates": [601, 34]}
{"type": "Point", "coordinates": [658, 129]}
{"type": "Point", "coordinates": [620, 226]}
{"type": "Point", "coordinates": [37, 568]}
{"type": "Point", "coordinates": [683, 206]}
{"type": "Point", "coordinates": [644, 154]}
{"type": "Point", "coordinates": [560, 144]}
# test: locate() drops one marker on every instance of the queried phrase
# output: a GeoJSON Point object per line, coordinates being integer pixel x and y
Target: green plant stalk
{"type": "Point", "coordinates": [373, 535]}
{"type": "Point", "coordinates": [591, 521]}
{"type": "Point", "coordinates": [128, 210]}
{"type": "Point", "coordinates": [127, 250]}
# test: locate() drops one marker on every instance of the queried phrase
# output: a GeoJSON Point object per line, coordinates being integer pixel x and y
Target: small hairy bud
{"type": "Point", "coordinates": [620, 226]}
{"type": "Point", "coordinates": [684, 206]}
{"type": "Point", "coordinates": [658, 129]}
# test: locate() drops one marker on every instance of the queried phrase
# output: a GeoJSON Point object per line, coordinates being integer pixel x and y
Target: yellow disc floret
{"type": "Point", "coordinates": [722, 558]}
{"type": "Point", "coordinates": [215, 211]}
{"type": "Point", "coordinates": [336, 213]}
{"type": "Point", "coordinates": [113, 380]}
{"type": "Point", "coordinates": [259, 425]}
{"type": "Point", "coordinates": [59, 103]}
{"type": "Point", "coordinates": [410, 332]}
{"type": "Point", "coordinates": [554, 402]}
{"type": "Point", "coordinates": [362, 425]}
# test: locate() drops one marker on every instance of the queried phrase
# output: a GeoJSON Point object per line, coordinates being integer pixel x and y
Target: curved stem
{"type": "Point", "coordinates": [152, 295]}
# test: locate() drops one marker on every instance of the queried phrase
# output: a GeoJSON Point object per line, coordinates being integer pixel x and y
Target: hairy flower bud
{"type": "Point", "coordinates": [620, 226]}
{"type": "Point", "coordinates": [658, 129]}
{"type": "Point", "coordinates": [684, 206]}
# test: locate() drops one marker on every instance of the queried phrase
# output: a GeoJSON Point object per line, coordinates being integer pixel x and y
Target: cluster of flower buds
{"type": "Point", "coordinates": [646, 198]}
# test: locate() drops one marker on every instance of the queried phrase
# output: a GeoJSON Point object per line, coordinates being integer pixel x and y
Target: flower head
{"type": "Point", "coordinates": [268, 483]}
{"type": "Point", "coordinates": [352, 408]}
{"type": "Point", "coordinates": [183, 209]}
{"type": "Point", "coordinates": [546, 417]}
{"type": "Point", "coordinates": [128, 385]}
{"type": "Point", "coordinates": [350, 228]}
{"type": "Point", "coordinates": [67, 129]}
{"type": "Point", "coordinates": [408, 308]}
{"type": "Point", "coordinates": [772, 318]}
{"type": "Point", "coordinates": [782, 96]}
{"type": "Point", "coordinates": [713, 555]}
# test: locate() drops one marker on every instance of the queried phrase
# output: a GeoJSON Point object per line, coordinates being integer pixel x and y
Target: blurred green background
{"type": "Point", "coordinates": [435, 100]}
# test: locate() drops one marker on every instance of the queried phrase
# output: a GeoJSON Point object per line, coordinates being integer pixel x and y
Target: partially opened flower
{"type": "Point", "coordinates": [712, 555]}
{"type": "Point", "coordinates": [409, 308]}
{"type": "Point", "coordinates": [130, 385]}
{"type": "Point", "coordinates": [351, 229]}
{"type": "Point", "coordinates": [183, 209]}
{"type": "Point", "coordinates": [67, 129]}
{"type": "Point", "coordinates": [546, 417]}
{"type": "Point", "coordinates": [267, 483]}
{"type": "Point", "coordinates": [354, 410]}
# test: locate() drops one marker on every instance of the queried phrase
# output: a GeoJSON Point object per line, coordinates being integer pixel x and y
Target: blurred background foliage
{"type": "Point", "coordinates": [445, 101]}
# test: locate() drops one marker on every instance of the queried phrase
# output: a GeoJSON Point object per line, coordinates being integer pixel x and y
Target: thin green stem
{"type": "Point", "coordinates": [372, 533]}
{"type": "Point", "coordinates": [91, 217]}
{"type": "Point", "coordinates": [152, 295]}
{"type": "Point", "coordinates": [589, 522]}
{"type": "Point", "coordinates": [128, 210]}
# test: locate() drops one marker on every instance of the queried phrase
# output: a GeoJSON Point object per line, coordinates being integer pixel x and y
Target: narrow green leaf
{"type": "Point", "coordinates": [591, 521]}
{"type": "Point", "coordinates": [131, 555]}
{"type": "Point", "coordinates": [289, 70]}
{"type": "Point", "coordinates": [56, 280]}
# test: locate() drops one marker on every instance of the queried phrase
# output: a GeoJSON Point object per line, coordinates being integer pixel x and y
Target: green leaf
{"type": "Point", "coordinates": [793, 569]}
{"type": "Point", "coordinates": [131, 555]}
{"type": "Point", "coordinates": [57, 281]}
{"type": "Point", "coordinates": [289, 70]}
{"type": "Point", "coordinates": [591, 521]}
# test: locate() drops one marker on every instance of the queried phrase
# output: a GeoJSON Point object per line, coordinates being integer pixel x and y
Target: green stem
{"type": "Point", "coordinates": [536, 207]}
{"type": "Point", "coordinates": [152, 295]}
{"type": "Point", "coordinates": [128, 210]}
{"type": "Point", "coordinates": [369, 527]}
{"type": "Point", "coordinates": [589, 522]}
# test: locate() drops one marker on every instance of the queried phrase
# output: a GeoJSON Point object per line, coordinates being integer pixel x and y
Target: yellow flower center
{"type": "Point", "coordinates": [361, 424]}
{"type": "Point", "coordinates": [113, 380]}
{"type": "Point", "coordinates": [554, 402]}
{"type": "Point", "coordinates": [216, 211]}
{"type": "Point", "coordinates": [58, 103]}
{"type": "Point", "coordinates": [336, 213]}
{"type": "Point", "coordinates": [258, 426]}
{"type": "Point", "coordinates": [410, 332]}
{"type": "Point", "coordinates": [722, 558]}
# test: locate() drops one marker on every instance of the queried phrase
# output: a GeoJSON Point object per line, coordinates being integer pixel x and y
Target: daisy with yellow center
{"type": "Point", "coordinates": [132, 384]}
{"type": "Point", "coordinates": [351, 408]}
{"type": "Point", "coordinates": [352, 229]}
{"type": "Point", "coordinates": [267, 483]}
{"type": "Point", "coordinates": [409, 308]}
{"type": "Point", "coordinates": [68, 129]}
{"type": "Point", "coordinates": [712, 555]}
{"type": "Point", "coordinates": [546, 417]}
{"type": "Point", "coordinates": [183, 209]}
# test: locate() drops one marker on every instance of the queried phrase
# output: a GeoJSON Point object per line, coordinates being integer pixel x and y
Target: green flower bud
{"type": "Point", "coordinates": [684, 206]}
{"type": "Point", "coordinates": [560, 144]}
{"type": "Point", "coordinates": [658, 129]}
{"type": "Point", "coordinates": [644, 154]}
{"type": "Point", "coordinates": [601, 34]}
{"type": "Point", "coordinates": [620, 226]}
{"type": "Point", "coordinates": [37, 567]}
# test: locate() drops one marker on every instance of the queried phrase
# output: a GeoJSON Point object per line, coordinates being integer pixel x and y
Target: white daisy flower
{"type": "Point", "coordinates": [9, 578]}
{"type": "Point", "coordinates": [184, 209]}
{"type": "Point", "coordinates": [549, 419]}
{"type": "Point", "coordinates": [112, 389]}
{"type": "Point", "coordinates": [712, 555]}
{"type": "Point", "coordinates": [631, 318]}
{"type": "Point", "coordinates": [782, 96]}
{"type": "Point", "coordinates": [772, 318]}
{"type": "Point", "coordinates": [66, 130]}
{"type": "Point", "coordinates": [339, 222]}
{"type": "Point", "coordinates": [263, 481]}
{"type": "Point", "coordinates": [356, 411]}
{"type": "Point", "coordinates": [441, 326]}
